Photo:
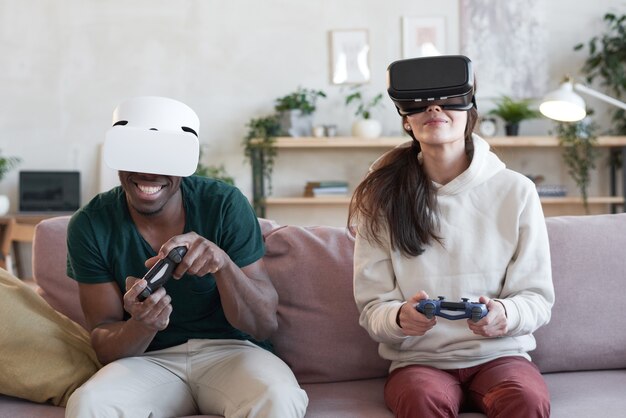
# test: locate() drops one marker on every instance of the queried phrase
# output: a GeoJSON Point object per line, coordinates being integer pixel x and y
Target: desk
{"type": "Point", "coordinates": [16, 229]}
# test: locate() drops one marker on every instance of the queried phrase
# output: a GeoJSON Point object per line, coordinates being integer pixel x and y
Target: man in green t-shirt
{"type": "Point", "coordinates": [199, 343]}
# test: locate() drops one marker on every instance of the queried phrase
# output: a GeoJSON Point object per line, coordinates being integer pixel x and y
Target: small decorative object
{"type": "Point", "coordinates": [365, 126]}
{"type": "Point", "coordinates": [331, 130]}
{"type": "Point", "coordinates": [513, 112]}
{"type": "Point", "coordinates": [319, 131]}
{"type": "Point", "coordinates": [6, 165]}
{"type": "Point", "coordinates": [487, 127]}
{"type": "Point", "coordinates": [578, 140]}
{"type": "Point", "coordinates": [296, 111]}
{"type": "Point", "coordinates": [349, 56]}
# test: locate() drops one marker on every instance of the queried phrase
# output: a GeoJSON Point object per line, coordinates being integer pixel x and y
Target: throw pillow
{"type": "Point", "coordinates": [45, 355]}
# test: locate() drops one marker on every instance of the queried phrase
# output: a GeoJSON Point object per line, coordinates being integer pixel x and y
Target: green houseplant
{"type": "Point", "coordinates": [578, 140]}
{"type": "Point", "coordinates": [607, 63]}
{"type": "Point", "coordinates": [260, 150]}
{"type": "Point", "coordinates": [6, 164]}
{"type": "Point", "coordinates": [513, 112]}
{"type": "Point", "coordinates": [213, 171]}
{"type": "Point", "coordinates": [364, 106]}
{"type": "Point", "coordinates": [296, 111]}
{"type": "Point", "coordinates": [365, 126]}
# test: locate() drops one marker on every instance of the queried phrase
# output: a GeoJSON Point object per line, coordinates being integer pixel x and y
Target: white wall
{"type": "Point", "coordinates": [66, 65]}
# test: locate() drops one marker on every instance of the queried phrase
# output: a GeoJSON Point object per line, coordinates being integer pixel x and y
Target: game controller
{"type": "Point", "coordinates": [473, 310]}
{"type": "Point", "coordinates": [161, 272]}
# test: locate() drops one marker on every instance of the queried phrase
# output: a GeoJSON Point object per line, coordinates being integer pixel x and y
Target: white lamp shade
{"type": "Point", "coordinates": [563, 104]}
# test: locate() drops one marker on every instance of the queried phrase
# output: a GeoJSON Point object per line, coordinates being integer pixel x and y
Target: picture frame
{"type": "Point", "coordinates": [349, 56]}
{"type": "Point", "coordinates": [423, 36]}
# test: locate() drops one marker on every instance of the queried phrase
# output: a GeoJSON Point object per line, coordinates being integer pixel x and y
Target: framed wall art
{"type": "Point", "coordinates": [423, 36]}
{"type": "Point", "coordinates": [349, 56]}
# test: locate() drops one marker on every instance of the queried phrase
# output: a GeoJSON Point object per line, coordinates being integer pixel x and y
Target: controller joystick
{"type": "Point", "coordinates": [472, 310]}
{"type": "Point", "coordinates": [161, 272]}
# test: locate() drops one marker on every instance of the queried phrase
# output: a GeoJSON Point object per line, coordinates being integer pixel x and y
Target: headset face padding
{"type": "Point", "coordinates": [416, 83]}
{"type": "Point", "coordinates": [155, 135]}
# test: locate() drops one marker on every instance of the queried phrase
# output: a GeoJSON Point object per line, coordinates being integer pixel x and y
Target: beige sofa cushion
{"type": "Point", "coordinates": [318, 332]}
{"type": "Point", "coordinates": [588, 327]}
{"type": "Point", "coordinates": [45, 356]}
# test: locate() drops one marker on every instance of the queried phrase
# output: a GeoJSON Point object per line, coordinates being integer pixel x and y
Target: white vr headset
{"type": "Point", "coordinates": [153, 135]}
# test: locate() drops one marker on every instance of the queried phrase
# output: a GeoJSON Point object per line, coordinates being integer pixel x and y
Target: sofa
{"type": "Point", "coordinates": [581, 352]}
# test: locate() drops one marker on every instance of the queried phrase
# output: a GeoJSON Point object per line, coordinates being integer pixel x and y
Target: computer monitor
{"type": "Point", "coordinates": [49, 191]}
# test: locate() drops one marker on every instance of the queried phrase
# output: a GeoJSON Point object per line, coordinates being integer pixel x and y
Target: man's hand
{"type": "Point", "coordinates": [203, 256]}
{"type": "Point", "coordinates": [154, 312]}
{"type": "Point", "coordinates": [492, 325]}
{"type": "Point", "coordinates": [413, 322]}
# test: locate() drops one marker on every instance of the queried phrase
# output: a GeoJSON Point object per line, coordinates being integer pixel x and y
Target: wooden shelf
{"type": "Point", "coordinates": [555, 205]}
{"type": "Point", "coordinates": [390, 142]}
{"type": "Point", "coordinates": [345, 200]}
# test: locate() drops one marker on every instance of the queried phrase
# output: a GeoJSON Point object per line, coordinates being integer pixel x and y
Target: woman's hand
{"type": "Point", "coordinates": [492, 325]}
{"type": "Point", "coordinates": [410, 320]}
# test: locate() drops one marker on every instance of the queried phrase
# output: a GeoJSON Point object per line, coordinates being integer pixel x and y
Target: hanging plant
{"type": "Point", "coordinates": [578, 140]}
{"type": "Point", "coordinates": [259, 146]}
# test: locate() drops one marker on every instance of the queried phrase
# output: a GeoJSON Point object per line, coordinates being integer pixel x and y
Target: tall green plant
{"type": "Point", "coordinates": [259, 143]}
{"type": "Point", "coordinates": [578, 140]}
{"type": "Point", "coordinates": [607, 63]}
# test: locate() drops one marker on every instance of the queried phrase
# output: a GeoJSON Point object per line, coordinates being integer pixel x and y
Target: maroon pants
{"type": "Point", "coordinates": [507, 387]}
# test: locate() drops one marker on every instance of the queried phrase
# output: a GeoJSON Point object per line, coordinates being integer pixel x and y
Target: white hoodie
{"type": "Point", "coordinates": [495, 244]}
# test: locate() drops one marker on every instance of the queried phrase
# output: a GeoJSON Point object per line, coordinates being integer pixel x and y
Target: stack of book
{"type": "Point", "coordinates": [326, 188]}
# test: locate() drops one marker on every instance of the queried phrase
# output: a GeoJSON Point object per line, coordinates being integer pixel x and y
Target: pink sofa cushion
{"type": "Point", "coordinates": [49, 268]}
{"type": "Point", "coordinates": [318, 335]}
{"type": "Point", "coordinates": [587, 330]}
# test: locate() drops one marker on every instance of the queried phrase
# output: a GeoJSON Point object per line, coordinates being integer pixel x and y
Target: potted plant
{"type": "Point", "coordinates": [607, 55]}
{"type": "Point", "coordinates": [6, 165]}
{"type": "Point", "coordinates": [513, 112]}
{"type": "Point", "coordinates": [260, 150]}
{"type": "Point", "coordinates": [578, 140]}
{"type": "Point", "coordinates": [296, 111]}
{"type": "Point", "coordinates": [365, 126]}
{"type": "Point", "coordinates": [213, 171]}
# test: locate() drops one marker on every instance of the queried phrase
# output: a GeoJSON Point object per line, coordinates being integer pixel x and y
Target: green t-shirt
{"type": "Point", "coordinates": [104, 245]}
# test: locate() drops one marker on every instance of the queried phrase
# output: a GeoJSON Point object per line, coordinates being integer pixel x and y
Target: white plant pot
{"type": "Point", "coordinates": [294, 123]}
{"type": "Point", "coordinates": [367, 128]}
{"type": "Point", "coordinates": [4, 205]}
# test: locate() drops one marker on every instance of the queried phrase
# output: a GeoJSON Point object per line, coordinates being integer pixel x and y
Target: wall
{"type": "Point", "coordinates": [66, 65]}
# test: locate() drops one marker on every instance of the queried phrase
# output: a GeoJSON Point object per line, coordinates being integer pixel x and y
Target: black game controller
{"type": "Point", "coordinates": [161, 272]}
{"type": "Point", "coordinates": [431, 307]}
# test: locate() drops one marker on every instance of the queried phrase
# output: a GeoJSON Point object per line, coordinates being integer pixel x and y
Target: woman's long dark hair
{"type": "Point", "coordinates": [398, 198]}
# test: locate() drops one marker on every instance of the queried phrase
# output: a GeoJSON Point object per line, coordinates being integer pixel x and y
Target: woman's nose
{"type": "Point", "coordinates": [433, 108]}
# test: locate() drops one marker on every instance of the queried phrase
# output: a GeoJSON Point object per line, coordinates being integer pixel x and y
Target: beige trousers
{"type": "Point", "coordinates": [223, 377]}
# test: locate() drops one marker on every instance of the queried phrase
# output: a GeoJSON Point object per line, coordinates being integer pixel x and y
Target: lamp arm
{"type": "Point", "coordinates": [584, 89]}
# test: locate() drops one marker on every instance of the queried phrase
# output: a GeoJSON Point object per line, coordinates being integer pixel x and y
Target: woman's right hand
{"type": "Point", "coordinates": [413, 322]}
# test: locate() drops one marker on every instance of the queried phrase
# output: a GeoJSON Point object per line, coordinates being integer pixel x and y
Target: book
{"type": "Point", "coordinates": [326, 188]}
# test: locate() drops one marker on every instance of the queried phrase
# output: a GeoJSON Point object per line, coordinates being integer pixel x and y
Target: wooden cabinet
{"type": "Point", "coordinates": [612, 202]}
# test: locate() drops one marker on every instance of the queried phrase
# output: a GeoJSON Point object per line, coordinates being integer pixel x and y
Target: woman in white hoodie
{"type": "Point", "coordinates": [443, 216]}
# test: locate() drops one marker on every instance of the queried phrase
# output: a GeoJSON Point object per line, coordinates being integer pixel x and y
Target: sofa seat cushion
{"type": "Point", "coordinates": [587, 394]}
{"type": "Point", "coordinates": [319, 335]}
{"type": "Point", "coordinates": [587, 329]}
{"type": "Point", "coordinates": [358, 398]}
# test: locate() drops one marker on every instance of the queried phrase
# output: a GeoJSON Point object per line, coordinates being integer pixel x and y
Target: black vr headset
{"type": "Point", "coordinates": [416, 83]}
